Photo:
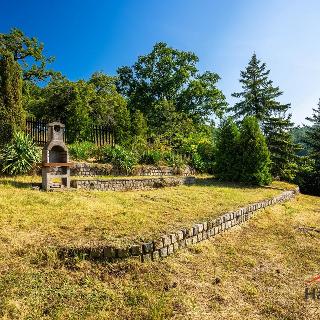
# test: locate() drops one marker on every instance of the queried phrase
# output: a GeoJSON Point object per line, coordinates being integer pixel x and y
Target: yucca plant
{"type": "Point", "coordinates": [19, 155]}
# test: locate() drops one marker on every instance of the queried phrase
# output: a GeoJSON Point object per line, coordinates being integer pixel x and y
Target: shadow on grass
{"type": "Point", "coordinates": [19, 184]}
{"type": "Point", "coordinates": [205, 182]}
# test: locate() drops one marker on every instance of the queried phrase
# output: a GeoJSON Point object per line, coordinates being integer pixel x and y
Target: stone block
{"type": "Point", "coordinates": [158, 244]}
{"type": "Point", "coordinates": [135, 250]}
{"type": "Point", "coordinates": [122, 253]}
{"type": "Point", "coordinates": [182, 243]}
{"type": "Point", "coordinates": [188, 242]}
{"type": "Point", "coordinates": [96, 253]}
{"type": "Point", "coordinates": [146, 257]}
{"type": "Point", "coordinates": [205, 226]}
{"type": "Point", "coordinates": [109, 252]}
{"type": "Point", "coordinates": [175, 246]}
{"type": "Point", "coordinates": [170, 249]}
{"type": "Point", "coordinates": [166, 240]}
{"type": "Point", "coordinates": [147, 247]}
{"type": "Point", "coordinates": [189, 232]}
{"type": "Point", "coordinates": [195, 230]}
{"type": "Point", "coordinates": [173, 237]}
{"type": "Point", "coordinates": [163, 252]}
{"type": "Point", "coordinates": [199, 236]}
{"type": "Point", "coordinates": [200, 227]}
{"type": "Point", "coordinates": [194, 239]}
{"type": "Point", "coordinates": [205, 235]}
{"type": "Point", "coordinates": [179, 235]}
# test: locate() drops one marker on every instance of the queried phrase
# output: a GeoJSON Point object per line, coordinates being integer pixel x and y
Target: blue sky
{"type": "Point", "coordinates": [97, 35]}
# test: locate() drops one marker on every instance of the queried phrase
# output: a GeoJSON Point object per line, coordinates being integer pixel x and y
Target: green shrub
{"type": "Point", "coordinates": [173, 159]}
{"type": "Point", "coordinates": [82, 150]}
{"type": "Point", "coordinates": [198, 163]}
{"type": "Point", "coordinates": [123, 159]}
{"type": "Point", "coordinates": [151, 157]}
{"type": "Point", "coordinates": [308, 178]}
{"type": "Point", "coordinates": [19, 155]}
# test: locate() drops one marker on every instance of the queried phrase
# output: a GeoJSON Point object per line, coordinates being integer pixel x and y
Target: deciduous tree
{"type": "Point", "coordinates": [167, 88]}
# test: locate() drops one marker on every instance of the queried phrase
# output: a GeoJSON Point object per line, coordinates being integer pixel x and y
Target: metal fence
{"type": "Point", "coordinates": [99, 135]}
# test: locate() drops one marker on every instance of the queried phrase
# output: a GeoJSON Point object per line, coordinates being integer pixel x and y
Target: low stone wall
{"type": "Point", "coordinates": [130, 184]}
{"type": "Point", "coordinates": [98, 169]}
{"type": "Point", "coordinates": [170, 243]}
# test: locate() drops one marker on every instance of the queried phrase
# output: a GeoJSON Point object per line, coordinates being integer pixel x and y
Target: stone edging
{"type": "Point", "coordinates": [131, 184]}
{"type": "Point", "coordinates": [170, 243]}
{"type": "Point", "coordinates": [85, 169]}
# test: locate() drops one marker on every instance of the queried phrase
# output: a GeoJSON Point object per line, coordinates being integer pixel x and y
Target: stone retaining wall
{"type": "Point", "coordinates": [100, 169]}
{"type": "Point", "coordinates": [130, 184]}
{"type": "Point", "coordinates": [170, 243]}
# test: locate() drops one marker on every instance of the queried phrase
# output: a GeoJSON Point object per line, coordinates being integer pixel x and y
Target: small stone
{"type": "Point", "coordinates": [175, 246]}
{"type": "Point", "coordinates": [188, 242]}
{"type": "Point", "coordinates": [199, 237]}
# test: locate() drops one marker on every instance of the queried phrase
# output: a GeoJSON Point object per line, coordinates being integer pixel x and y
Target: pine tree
{"type": "Point", "coordinates": [12, 115]}
{"type": "Point", "coordinates": [308, 177]}
{"type": "Point", "coordinates": [313, 137]}
{"type": "Point", "coordinates": [227, 151]}
{"type": "Point", "coordinates": [277, 128]}
{"type": "Point", "coordinates": [258, 94]}
{"type": "Point", "coordinates": [254, 152]}
{"type": "Point", "coordinates": [259, 98]}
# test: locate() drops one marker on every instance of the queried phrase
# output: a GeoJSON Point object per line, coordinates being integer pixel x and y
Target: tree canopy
{"type": "Point", "coordinates": [166, 86]}
{"type": "Point", "coordinates": [29, 53]}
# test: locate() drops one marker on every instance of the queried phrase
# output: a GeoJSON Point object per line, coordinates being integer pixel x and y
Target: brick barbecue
{"type": "Point", "coordinates": [55, 159]}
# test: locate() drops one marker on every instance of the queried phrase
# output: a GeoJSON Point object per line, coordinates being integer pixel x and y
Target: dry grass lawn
{"type": "Point", "coordinates": [256, 271]}
{"type": "Point", "coordinates": [118, 218]}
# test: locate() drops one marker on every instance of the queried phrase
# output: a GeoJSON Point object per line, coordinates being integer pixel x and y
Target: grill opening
{"type": "Point", "coordinates": [58, 154]}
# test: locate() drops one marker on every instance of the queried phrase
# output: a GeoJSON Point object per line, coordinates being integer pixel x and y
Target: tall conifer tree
{"type": "Point", "coordinates": [259, 98]}
{"type": "Point", "coordinates": [228, 159]}
{"type": "Point", "coordinates": [12, 115]}
{"type": "Point", "coordinates": [255, 156]}
{"type": "Point", "coordinates": [313, 137]}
